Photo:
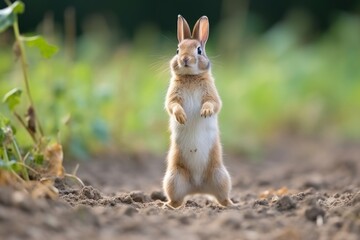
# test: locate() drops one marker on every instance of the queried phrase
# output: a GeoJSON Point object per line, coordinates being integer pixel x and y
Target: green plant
{"type": "Point", "coordinates": [43, 158]}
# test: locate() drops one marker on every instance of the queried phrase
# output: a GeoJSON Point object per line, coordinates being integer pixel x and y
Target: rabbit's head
{"type": "Point", "coordinates": [190, 58]}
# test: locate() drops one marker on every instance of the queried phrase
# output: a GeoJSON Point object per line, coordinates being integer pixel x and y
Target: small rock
{"type": "Point", "coordinates": [285, 203]}
{"type": "Point", "coordinates": [158, 195]}
{"type": "Point", "coordinates": [312, 213]}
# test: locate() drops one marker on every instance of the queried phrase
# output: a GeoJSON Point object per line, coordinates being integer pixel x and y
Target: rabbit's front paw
{"type": "Point", "coordinates": [207, 110]}
{"type": "Point", "coordinates": [180, 116]}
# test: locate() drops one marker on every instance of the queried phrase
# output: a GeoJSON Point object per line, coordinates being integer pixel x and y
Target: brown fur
{"type": "Point", "coordinates": [215, 179]}
{"type": "Point", "coordinates": [211, 101]}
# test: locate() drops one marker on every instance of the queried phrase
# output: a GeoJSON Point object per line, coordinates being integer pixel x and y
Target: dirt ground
{"type": "Point", "coordinates": [295, 190]}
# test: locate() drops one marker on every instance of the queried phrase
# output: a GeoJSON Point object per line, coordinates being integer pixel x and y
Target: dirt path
{"type": "Point", "coordinates": [302, 190]}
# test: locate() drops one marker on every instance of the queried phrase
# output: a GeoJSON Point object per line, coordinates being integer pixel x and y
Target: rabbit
{"type": "Point", "coordinates": [194, 161]}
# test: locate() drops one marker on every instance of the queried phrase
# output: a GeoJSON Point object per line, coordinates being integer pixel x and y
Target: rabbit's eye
{"type": "Point", "coordinates": [177, 51]}
{"type": "Point", "coordinates": [199, 50]}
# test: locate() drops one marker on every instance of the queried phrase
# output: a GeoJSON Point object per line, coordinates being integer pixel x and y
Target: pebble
{"type": "Point", "coordinates": [285, 203]}
{"type": "Point", "coordinates": [312, 213]}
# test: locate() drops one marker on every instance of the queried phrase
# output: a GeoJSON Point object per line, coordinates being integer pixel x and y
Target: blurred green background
{"type": "Point", "coordinates": [283, 69]}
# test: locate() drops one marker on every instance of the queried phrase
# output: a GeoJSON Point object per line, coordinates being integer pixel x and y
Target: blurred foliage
{"type": "Point", "coordinates": [128, 16]}
{"type": "Point", "coordinates": [109, 95]}
{"type": "Point", "coordinates": [32, 167]}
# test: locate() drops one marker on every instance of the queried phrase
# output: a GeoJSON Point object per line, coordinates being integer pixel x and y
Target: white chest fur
{"type": "Point", "coordinates": [197, 136]}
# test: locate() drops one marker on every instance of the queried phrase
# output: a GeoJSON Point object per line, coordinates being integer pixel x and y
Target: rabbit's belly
{"type": "Point", "coordinates": [196, 137]}
{"type": "Point", "coordinates": [195, 140]}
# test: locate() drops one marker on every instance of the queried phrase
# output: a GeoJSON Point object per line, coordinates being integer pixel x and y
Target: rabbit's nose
{"type": "Point", "coordinates": [185, 60]}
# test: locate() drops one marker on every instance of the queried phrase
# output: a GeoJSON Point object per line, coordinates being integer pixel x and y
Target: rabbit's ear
{"type": "Point", "coordinates": [201, 30]}
{"type": "Point", "coordinates": [183, 29]}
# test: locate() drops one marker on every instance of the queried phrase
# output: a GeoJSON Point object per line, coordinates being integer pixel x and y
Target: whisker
{"type": "Point", "coordinates": [160, 66]}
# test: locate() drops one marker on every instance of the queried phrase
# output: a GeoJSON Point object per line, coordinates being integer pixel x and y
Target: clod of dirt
{"type": "Point", "coordinates": [125, 198]}
{"type": "Point", "coordinates": [262, 202]}
{"type": "Point", "coordinates": [138, 196]}
{"type": "Point", "coordinates": [312, 213]}
{"type": "Point", "coordinates": [90, 193]}
{"type": "Point", "coordinates": [158, 195]}
{"type": "Point", "coordinates": [285, 203]}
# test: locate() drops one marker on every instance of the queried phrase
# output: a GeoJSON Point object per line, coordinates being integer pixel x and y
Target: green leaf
{"type": "Point", "coordinates": [7, 15]}
{"type": "Point", "coordinates": [4, 123]}
{"type": "Point", "coordinates": [46, 50]}
{"type": "Point", "coordinates": [7, 165]}
{"type": "Point", "coordinates": [12, 98]}
{"type": "Point", "coordinates": [18, 7]}
{"type": "Point", "coordinates": [39, 159]}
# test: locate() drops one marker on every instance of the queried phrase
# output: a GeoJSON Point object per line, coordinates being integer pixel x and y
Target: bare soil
{"type": "Point", "coordinates": [297, 190]}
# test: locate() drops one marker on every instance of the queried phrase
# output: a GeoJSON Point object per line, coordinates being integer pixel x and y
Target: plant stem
{"type": "Point", "coordinates": [6, 157]}
{"type": "Point", "coordinates": [20, 159]}
{"type": "Point", "coordinates": [18, 117]}
{"type": "Point", "coordinates": [29, 168]}
{"type": "Point", "coordinates": [76, 178]}
{"type": "Point", "coordinates": [24, 66]}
